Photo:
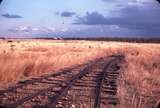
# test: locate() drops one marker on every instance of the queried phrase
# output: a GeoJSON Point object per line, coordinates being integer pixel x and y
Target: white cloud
{"type": "Point", "coordinates": [114, 27]}
{"type": "Point", "coordinates": [140, 3]}
{"type": "Point", "coordinates": [31, 29]}
{"type": "Point", "coordinates": [51, 29]}
{"type": "Point", "coordinates": [64, 29]}
{"type": "Point", "coordinates": [24, 29]}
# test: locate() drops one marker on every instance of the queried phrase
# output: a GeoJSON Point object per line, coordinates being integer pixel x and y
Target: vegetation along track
{"type": "Point", "coordinates": [90, 85]}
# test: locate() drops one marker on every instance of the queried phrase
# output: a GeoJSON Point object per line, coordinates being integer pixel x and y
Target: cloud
{"type": "Point", "coordinates": [144, 20]}
{"type": "Point", "coordinates": [11, 16]}
{"type": "Point", "coordinates": [23, 29]}
{"type": "Point", "coordinates": [32, 30]}
{"type": "Point", "coordinates": [50, 29]}
{"type": "Point", "coordinates": [123, 3]}
{"type": "Point", "coordinates": [93, 18]}
{"type": "Point", "coordinates": [67, 14]}
{"type": "Point", "coordinates": [1, 1]}
{"type": "Point", "coordinates": [109, 0]}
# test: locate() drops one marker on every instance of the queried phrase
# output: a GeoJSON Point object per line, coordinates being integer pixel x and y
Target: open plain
{"type": "Point", "coordinates": [138, 80]}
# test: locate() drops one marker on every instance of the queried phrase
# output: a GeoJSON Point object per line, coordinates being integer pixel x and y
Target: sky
{"type": "Point", "coordinates": [80, 18]}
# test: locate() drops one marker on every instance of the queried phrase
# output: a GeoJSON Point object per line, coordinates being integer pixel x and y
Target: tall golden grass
{"type": "Point", "coordinates": [24, 58]}
{"type": "Point", "coordinates": [139, 85]}
{"type": "Point", "coordinates": [139, 82]}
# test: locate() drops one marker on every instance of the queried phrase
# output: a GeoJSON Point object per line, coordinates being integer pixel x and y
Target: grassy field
{"type": "Point", "coordinates": [139, 82]}
{"type": "Point", "coordinates": [25, 58]}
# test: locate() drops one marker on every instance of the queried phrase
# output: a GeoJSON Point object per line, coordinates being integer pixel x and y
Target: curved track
{"type": "Point", "coordinates": [90, 85]}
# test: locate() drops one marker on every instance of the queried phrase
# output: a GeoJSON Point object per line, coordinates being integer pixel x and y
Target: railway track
{"type": "Point", "coordinates": [90, 85]}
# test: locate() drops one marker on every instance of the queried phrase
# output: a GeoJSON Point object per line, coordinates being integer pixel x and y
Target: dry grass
{"type": "Point", "coordinates": [139, 83]}
{"type": "Point", "coordinates": [25, 58]}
